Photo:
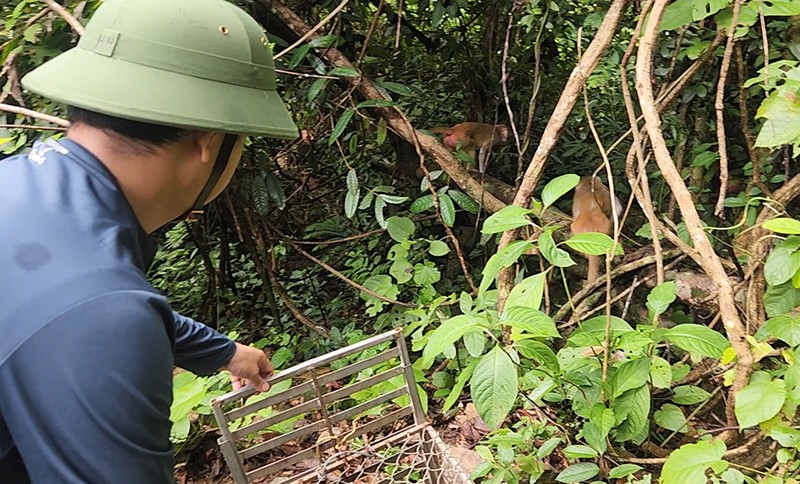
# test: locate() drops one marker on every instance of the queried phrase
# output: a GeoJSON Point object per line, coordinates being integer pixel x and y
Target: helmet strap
{"type": "Point", "coordinates": [224, 156]}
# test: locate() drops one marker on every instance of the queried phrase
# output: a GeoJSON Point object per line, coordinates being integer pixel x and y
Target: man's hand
{"type": "Point", "coordinates": [249, 366]}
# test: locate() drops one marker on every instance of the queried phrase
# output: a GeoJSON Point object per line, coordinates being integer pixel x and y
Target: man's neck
{"type": "Point", "coordinates": [148, 182]}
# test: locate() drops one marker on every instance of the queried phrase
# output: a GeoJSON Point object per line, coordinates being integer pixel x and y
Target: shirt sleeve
{"type": "Point", "coordinates": [198, 348]}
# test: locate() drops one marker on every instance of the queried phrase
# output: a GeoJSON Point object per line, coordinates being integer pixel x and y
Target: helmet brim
{"type": "Point", "coordinates": [90, 81]}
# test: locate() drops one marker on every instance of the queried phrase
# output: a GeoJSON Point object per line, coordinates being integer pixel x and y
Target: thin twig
{"type": "Point", "coordinates": [63, 12]}
{"type": "Point", "coordinates": [311, 32]}
{"type": "Point", "coordinates": [33, 114]}
{"type": "Point", "coordinates": [719, 107]}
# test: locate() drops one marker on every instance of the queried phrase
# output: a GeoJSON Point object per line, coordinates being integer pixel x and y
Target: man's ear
{"type": "Point", "coordinates": [205, 143]}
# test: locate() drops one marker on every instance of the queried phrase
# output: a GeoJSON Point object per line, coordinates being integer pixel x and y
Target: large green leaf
{"type": "Point", "coordinates": [540, 353]}
{"type": "Point", "coordinates": [631, 374]}
{"type": "Point", "coordinates": [556, 256]}
{"type": "Point", "coordinates": [400, 228]}
{"type": "Point", "coordinates": [698, 340]}
{"type": "Point", "coordinates": [494, 387]}
{"type": "Point", "coordinates": [445, 335]}
{"type": "Point", "coordinates": [689, 463]}
{"type": "Point", "coordinates": [528, 292]}
{"type": "Point", "coordinates": [689, 395]}
{"type": "Point", "coordinates": [670, 417]}
{"type": "Point", "coordinates": [557, 187]}
{"type": "Point", "coordinates": [759, 401]}
{"type": "Point", "coordinates": [782, 112]}
{"type": "Point", "coordinates": [788, 226]}
{"type": "Point", "coordinates": [504, 258]}
{"type": "Point", "coordinates": [580, 472]}
{"type": "Point", "coordinates": [510, 217]}
{"type": "Point", "coordinates": [660, 298]}
{"type": "Point", "coordinates": [531, 322]}
{"type": "Point", "coordinates": [782, 264]}
{"type": "Point", "coordinates": [593, 243]}
{"type": "Point", "coordinates": [634, 407]}
{"type": "Point", "coordinates": [592, 331]}
{"type": "Point", "coordinates": [458, 386]}
{"type": "Point", "coordinates": [785, 327]}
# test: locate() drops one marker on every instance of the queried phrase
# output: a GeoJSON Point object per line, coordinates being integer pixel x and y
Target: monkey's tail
{"type": "Point", "coordinates": [594, 268]}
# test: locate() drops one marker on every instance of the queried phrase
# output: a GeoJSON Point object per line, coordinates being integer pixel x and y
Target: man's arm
{"type": "Point", "coordinates": [199, 348]}
{"type": "Point", "coordinates": [203, 351]}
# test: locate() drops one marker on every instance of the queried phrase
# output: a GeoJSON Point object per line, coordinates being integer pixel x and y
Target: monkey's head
{"type": "Point", "coordinates": [502, 131]}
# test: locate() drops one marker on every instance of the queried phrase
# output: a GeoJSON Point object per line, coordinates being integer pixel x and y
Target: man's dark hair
{"type": "Point", "coordinates": [141, 133]}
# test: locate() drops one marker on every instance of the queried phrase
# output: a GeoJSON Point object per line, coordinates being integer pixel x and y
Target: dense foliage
{"type": "Point", "coordinates": [325, 240]}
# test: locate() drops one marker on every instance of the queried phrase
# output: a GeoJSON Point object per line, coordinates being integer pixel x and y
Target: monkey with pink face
{"type": "Point", "coordinates": [473, 138]}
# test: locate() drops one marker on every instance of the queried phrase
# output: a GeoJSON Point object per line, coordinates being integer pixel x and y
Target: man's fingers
{"type": "Point", "coordinates": [265, 367]}
{"type": "Point", "coordinates": [259, 384]}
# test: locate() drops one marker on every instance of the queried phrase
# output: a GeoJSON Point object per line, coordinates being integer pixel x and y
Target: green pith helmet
{"type": "Point", "coordinates": [198, 64]}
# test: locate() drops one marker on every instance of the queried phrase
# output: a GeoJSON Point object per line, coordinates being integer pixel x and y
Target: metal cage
{"type": "Point", "coordinates": [332, 436]}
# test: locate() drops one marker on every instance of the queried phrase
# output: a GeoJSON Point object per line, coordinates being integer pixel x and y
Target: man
{"type": "Point", "coordinates": [161, 95]}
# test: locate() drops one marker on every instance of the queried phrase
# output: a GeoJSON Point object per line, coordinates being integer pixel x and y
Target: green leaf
{"type": "Point", "coordinates": [401, 270]}
{"type": "Point", "coordinates": [785, 327]}
{"type": "Point", "coordinates": [660, 372]}
{"type": "Point", "coordinates": [781, 299]}
{"type": "Point", "coordinates": [670, 417]}
{"type": "Point", "coordinates": [352, 181]}
{"type": "Point", "coordinates": [421, 204]}
{"type": "Point", "coordinates": [445, 335]}
{"type": "Point", "coordinates": [464, 201]}
{"type": "Point", "coordinates": [392, 199]}
{"type": "Point", "coordinates": [510, 217]}
{"type": "Point", "coordinates": [397, 88]}
{"type": "Point", "coordinates": [788, 226]}
{"type": "Point", "coordinates": [376, 103]}
{"type": "Point", "coordinates": [698, 340]}
{"type": "Point", "coordinates": [323, 41]}
{"type": "Point", "coordinates": [426, 273]}
{"type": "Point", "coordinates": [580, 472]}
{"type": "Point", "coordinates": [400, 228]}
{"type": "Point", "coordinates": [316, 87]}
{"type": "Point", "coordinates": [558, 187]}
{"type": "Point", "coordinates": [528, 292]}
{"type": "Point", "coordinates": [782, 113]}
{"type": "Point", "coordinates": [633, 408]}
{"type": "Point", "coordinates": [531, 322]}
{"type": "Point", "coordinates": [187, 393]}
{"type": "Point", "coordinates": [341, 125]}
{"type": "Point", "coordinates": [676, 15]}
{"type": "Point", "coordinates": [380, 205]}
{"type": "Point", "coordinates": [504, 258]}
{"type": "Point", "coordinates": [579, 452]}
{"type": "Point", "coordinates": [660, 298]}
{"type": "Point", "coordinates": [31, 33]}
{"type": "Point", "coordinates": [351, 203]}
{"type": "Point", "coordinates": [475, 341]}
{"type": "Point", "coordinates": [438, 248]}
{"type": "Point", "coordinates": [548, 447]}
{"type": "Point", "coordinates": [782, 264]}
{"type": "Point", "coordinates": [344, 72]}
{"type": "Point", "coordinates": [759, 402]}
{"type": "Point", "coordinates": [689, 395]}
{"type": "Point", "coordinates": [494, 387]}
{"type": "Point", "coordinates": [540, 353]}
{"type": "Point", "coordinates": [448, 210]}
{"type": "Point", "coordinates": [624, 470]}
{"type": "Point", "coordinates": [690, 462]}
{"type": "Point", "coordinates": [593, 243]}
{"type": "Point", "coordinates": [631, 374]}
{"type": "Point", "coordinates": [458, 387]}
{"type": "Point", "coordinates": [592, 332]}
{"type": "Point", "coordinates": [705, 8]}
{"type": "Point", "coordinates": [554, 255]}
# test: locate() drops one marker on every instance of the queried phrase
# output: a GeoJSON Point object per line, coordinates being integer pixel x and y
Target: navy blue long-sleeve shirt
{"type": "Point", "coordinates": [87, 345]}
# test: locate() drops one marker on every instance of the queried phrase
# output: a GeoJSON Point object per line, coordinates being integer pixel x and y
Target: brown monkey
{"type": "Point", "coordinates": [474, 137]}
{"type": "Point", "coordinates": [591, 212]}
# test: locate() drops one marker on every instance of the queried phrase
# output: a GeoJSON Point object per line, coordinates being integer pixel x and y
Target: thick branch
{"type": "Point", "coordinates": [709, 260]}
